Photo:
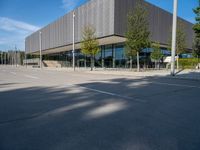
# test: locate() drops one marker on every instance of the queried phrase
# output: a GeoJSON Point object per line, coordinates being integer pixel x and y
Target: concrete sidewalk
{"type": "Point", "coordinates": [184, 74]}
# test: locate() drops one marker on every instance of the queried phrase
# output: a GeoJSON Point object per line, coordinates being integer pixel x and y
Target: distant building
{"type": "Point", "coordinates": [109, 18]}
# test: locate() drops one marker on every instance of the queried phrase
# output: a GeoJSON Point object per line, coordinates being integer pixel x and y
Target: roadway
{"type": "Point", "coordinates": [65, 110]}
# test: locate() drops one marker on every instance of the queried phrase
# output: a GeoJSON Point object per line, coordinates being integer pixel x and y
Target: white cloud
{"type": "Point", "coordinates": [13, 32]}
{"type": "Point", "coordinates": [71, 4]}
{"type": "Point", "coordinates": [14, 25]}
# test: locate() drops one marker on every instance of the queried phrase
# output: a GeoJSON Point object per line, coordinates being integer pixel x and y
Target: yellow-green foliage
{"type": "Point", "coordinates": [188, 63]}
{"type": "Point", "coordinates": [89, 44]}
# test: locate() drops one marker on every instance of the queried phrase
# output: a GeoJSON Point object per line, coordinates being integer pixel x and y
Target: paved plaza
{"type": "Point", "coordinates": [82, 110]}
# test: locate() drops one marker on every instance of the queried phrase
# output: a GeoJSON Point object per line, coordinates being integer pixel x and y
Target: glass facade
{"type": "Point", "coordinates": [109, 56]}
{"type": "Point", "coordinates": [120, 57]}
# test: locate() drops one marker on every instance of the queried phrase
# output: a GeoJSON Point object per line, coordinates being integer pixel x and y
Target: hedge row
{"type": "Point", "coordinates": [188, 63]}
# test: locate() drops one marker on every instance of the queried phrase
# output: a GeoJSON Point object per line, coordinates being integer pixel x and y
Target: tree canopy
{"type": "Point", "coordinates": [180, 39]}
{"type": "Point", "coordinates": [89, 44]}
{"type": "Point", "coordinates": [156, 53]}
{"type": "Point", "coordinates": [138, 32]}
{"type": "Point", "coordinates": [196, 28]}
{"type": "Point", "coordinates": [137, 35]}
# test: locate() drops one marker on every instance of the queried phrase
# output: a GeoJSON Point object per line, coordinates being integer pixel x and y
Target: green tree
{"type": "Point", "coordinates": [196, 48]}
{"type": "Point", "coordinates": [156, 55]}
{"type": "Point", "coordinates": [137, 34]}
{"type": "Point", "coordinates": [89, 44]}
{"type": "Point", "coordinates": [196, 28]}
{"type": "Point", "coordinates": [180, 41]}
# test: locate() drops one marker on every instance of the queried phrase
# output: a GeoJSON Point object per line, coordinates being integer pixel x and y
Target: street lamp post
{"type": "Point", "coordinates": [174, 38]}
{"type": "Point", "coordinates": [40, 38]}
{"type": "Point", "coordinates": [15, 56]}
{"type": "Point", "coordinates": [1, 58]}
{"type": "Point", "coordinates": [73, 51]}
{"type": "Point", "coordinates": [25, 59]}
{"type": "Point", "coordinates": [5, 58]}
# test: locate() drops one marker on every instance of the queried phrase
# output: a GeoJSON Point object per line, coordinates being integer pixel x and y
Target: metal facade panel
{"type": "Point", "coordinates": [98, 13]}
{"type": "Point", "coordinates": [122, 7]}
{"type": "Point", "coordinates": [108, 17]}
{"type": "Point", "coordinates": [160, 21]}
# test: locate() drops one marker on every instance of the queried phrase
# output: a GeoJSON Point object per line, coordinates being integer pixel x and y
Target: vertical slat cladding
{"type": "Point", "coordinates": [53, 35]}
{"type": "Point", "coordinates": [62, 33]}
{"type": "Point", "coordinates": [99, 13]}
{"type": "Point", "coordinates": [79, 22]}
{"type": "Point", "coordinates": [98, 25]}
{"type": "Point", "coordinates": [121, 10]}
{"type": "Point", "coordinates": [64, 30]}
{"type": "Point", "coordinates": [43, 37]}
{"type": "Point", "coordinates": [105, 27]}
{"type": "Point", "coordinates": [59, 31]}
{"type": "Point", "coordinates": [44, 41]}
{"type": "Point", "coordinates": [70, 22]}
{"type": "Point", "coordinates": [28, 44]}
{"type": "Point", "coordinates": [160, 21]}
{"type": "Point", "coordinates": [50, 35]}
{"type": "Point", "coordinates": [56, 33]}
{"type": "Point", "coordinates": [108, 17]}
{"type": "Point", "coordinates": [67, 28]}
{"type": "Point", "coordinates": [76, 27]}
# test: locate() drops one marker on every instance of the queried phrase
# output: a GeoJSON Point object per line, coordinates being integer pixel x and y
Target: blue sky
{"type": "Point", "coordinates": [19, 18]}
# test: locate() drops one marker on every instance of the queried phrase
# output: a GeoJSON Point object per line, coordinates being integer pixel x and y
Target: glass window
{"type": "Point", "coordinates": [119, 52]}
{"type": "Point", "coordinates": [108, 59]}
{"type": "Point", "coordinates": [120, 57]}
{"type": "Point", "coordinates": [108, 51]}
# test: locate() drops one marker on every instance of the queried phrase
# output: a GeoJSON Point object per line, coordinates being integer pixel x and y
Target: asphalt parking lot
{"type": "Point", "coordinates": [64, 110]}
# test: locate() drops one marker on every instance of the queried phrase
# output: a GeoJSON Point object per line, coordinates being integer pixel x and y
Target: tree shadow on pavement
{"type": "Point", "coordinates": [192, 74]}
{"type": "Point", "coordinates": [117, 114]}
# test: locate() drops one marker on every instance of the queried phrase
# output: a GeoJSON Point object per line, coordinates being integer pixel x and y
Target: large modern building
{"type": "Point", "coordinates": [109, 18]}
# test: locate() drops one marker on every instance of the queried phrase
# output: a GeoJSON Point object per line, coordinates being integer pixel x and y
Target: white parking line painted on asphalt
{"type": "Point", "coordinates": [32, 77]}
{"type": "Point", "coordinates": [14, 73]}
{"type": "Point", "coordinates": [108, 93]}
{"type": "Point", "coordinates": [178, 85]}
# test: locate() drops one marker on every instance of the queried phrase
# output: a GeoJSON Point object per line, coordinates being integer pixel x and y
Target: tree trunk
{"type": "Point", "coordinates": [131, 62]}
{"type": "Point", "coordinates": [155, 64]}
{"type": "Point", "coordinates": [91, 63]}
{"type": "Point", "coordinates": [145, 66]}
{"type": "Point", "coordinates": [102, 62]}
{"type": "Point", "coordinates": [85, 62]}
{"type": "Point", "coordinates": [138, 62]}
